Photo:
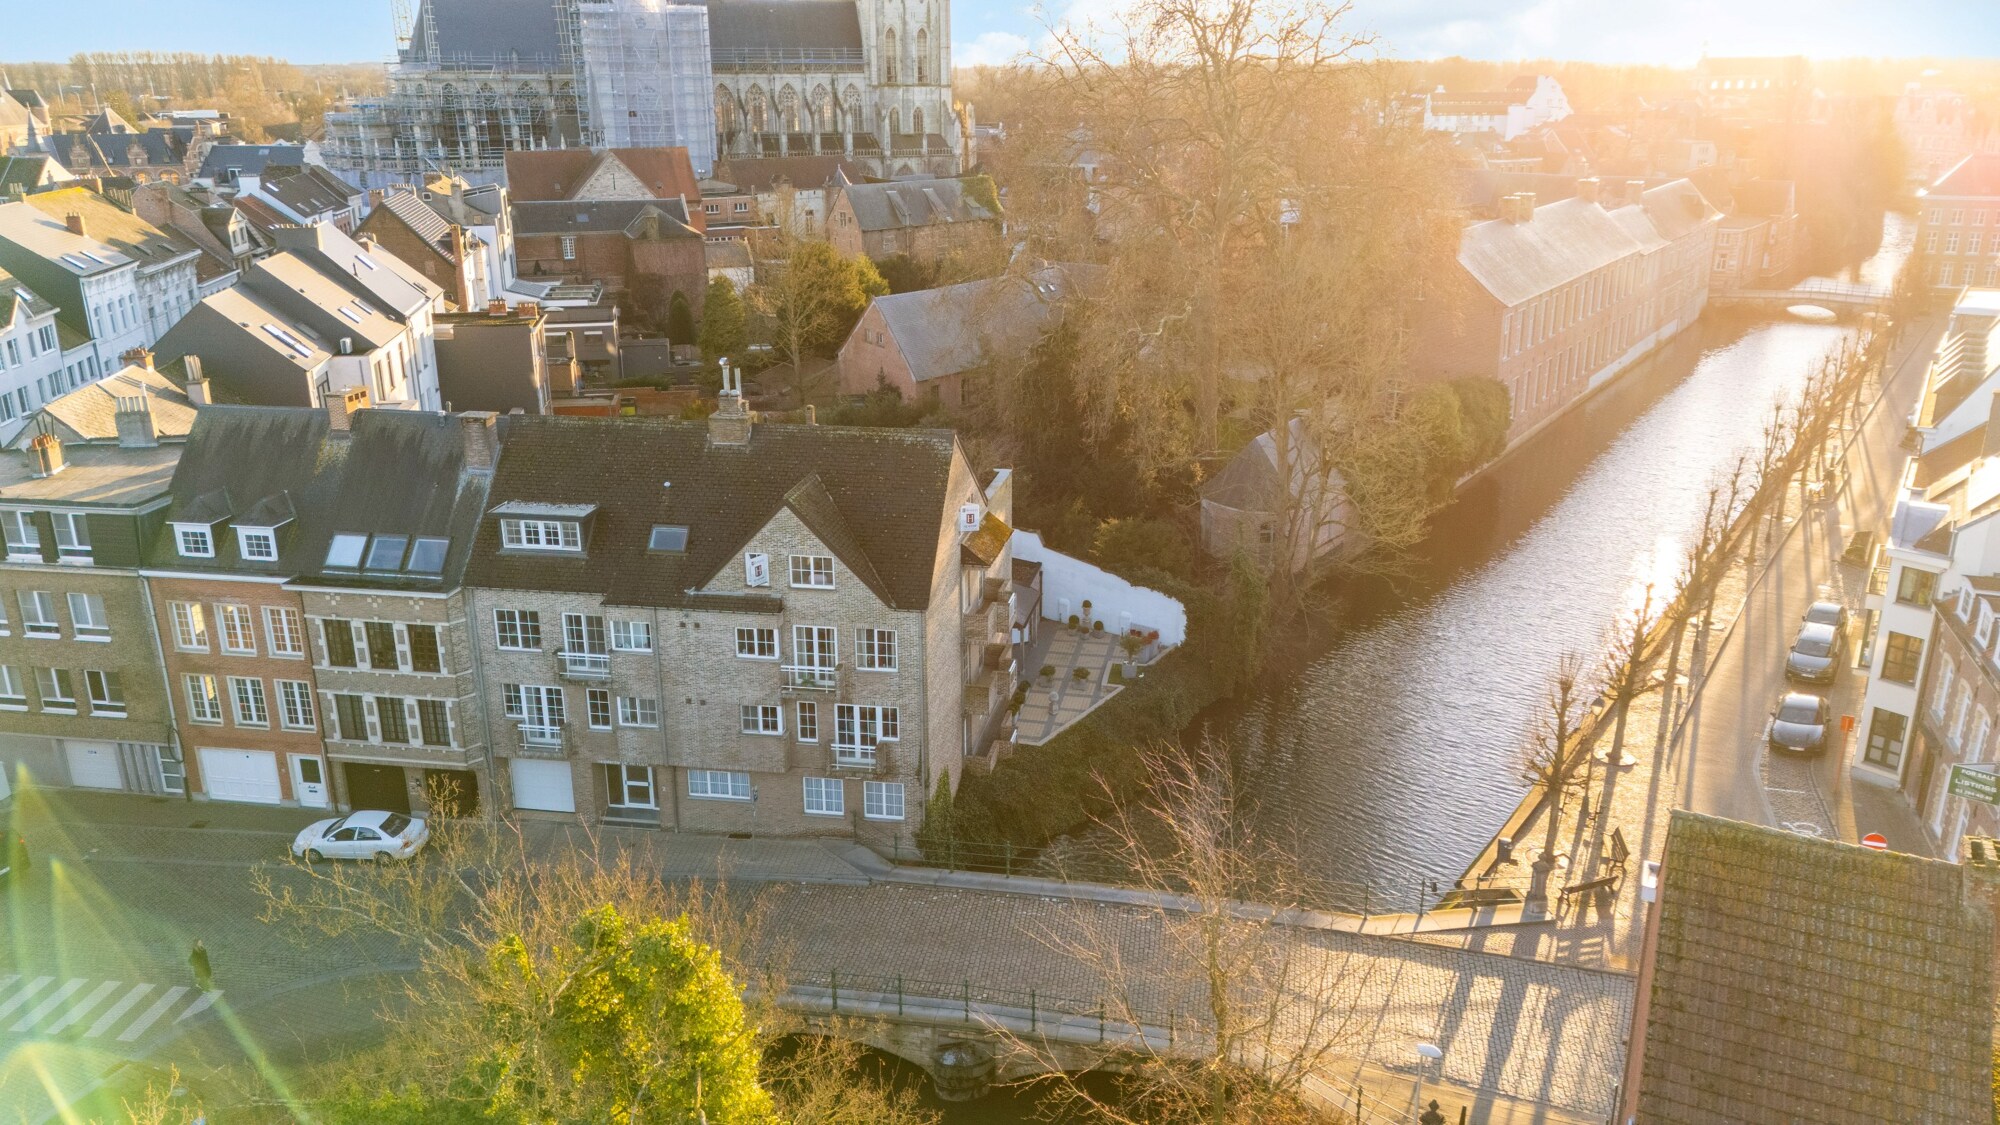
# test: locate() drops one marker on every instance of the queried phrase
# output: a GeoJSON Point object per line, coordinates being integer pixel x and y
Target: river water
{"type": "Point", "coordinates": [1393, 754]}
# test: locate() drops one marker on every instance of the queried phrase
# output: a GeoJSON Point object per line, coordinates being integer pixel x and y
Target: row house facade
{"type": "Point", "coordinates": [82, 701]}
{"type": "Point", "coordinates": [1554, 301]}
{"type": "Point", "coordinates": [1958, 225]}
{"type": "Point", "coordinates": [784, 630]}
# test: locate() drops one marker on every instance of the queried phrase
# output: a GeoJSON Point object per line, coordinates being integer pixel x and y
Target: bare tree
{"type": "Point", "coordinates": [1625, 669]}
{"type": "Point", "coordinates": [1555, 753]}
{"type": "Point", "coordinates": [1251, 1007]}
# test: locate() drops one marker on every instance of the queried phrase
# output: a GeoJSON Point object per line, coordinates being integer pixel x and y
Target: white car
{"type": "Point", "coordinates": [362, 835]}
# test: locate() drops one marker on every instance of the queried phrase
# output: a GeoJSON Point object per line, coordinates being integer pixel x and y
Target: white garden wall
{"type": "Point", "coordinates": [1068, 582]}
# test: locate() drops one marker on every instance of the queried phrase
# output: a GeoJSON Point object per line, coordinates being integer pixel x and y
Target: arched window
{"type": "Point", "coordinates": [917, 122]}
{"type": "Point", "coordinates": [725, 110]}
{"type": "Point", "coordinates": [758, 110]}
{"type": "Point", "coordinates": [895, 122]}
{"type": "Point", "coordinates": [788, 109]}
{"type": "Point", "coordinates": [923, 56]}
{"type": "Point", "coordinates": [889, 56]}
{"type": "Point", "coordinates": [821, 106]}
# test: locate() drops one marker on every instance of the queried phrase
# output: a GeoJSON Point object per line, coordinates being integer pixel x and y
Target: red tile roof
{"type": "Point", "coordinates": [1976, 175]}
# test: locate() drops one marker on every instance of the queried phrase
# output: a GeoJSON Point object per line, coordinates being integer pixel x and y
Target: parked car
{"type": "Point", "coordinates": [362, 835]}
{"type": "Point", "coordinates": [14, 858]}
{"type": "Point", "coordinates": [1827, 613]}
{"type": "Point", "coordinates": [1815, 655]}
{"type": "Point", "coordinates": [1798, 723]}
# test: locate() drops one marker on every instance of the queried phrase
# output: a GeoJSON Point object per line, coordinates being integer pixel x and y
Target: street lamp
{"type": "Point", "coordinates": [1427, 1053]}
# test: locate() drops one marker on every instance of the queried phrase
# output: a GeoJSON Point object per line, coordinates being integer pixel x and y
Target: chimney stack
{"type": "Point", "coordinates": [730, 424]}
{"type": "Point", "coordinates": [197, 387]}
{"type": "Point", "coordinates": [1590, 189]}
{"type": "Point", "coordinates": [341, 408]}
{"type": "Point", "coordinates": [1634, 189]}
{"type": "Point", "coordinates": [47, 453]}
{"type": "Point", "coordinates": [136, 357]}
{"type": "Point", "coordinates": [134, 420]}
{"type": "Point", "coordinates": [1524, 207]}
{"type": "Point", "coordinates": [477, 430]}
{"type": "Point", "coordinates": [496, 308]}
{"type": "Point", "coordinates": [74, 222]}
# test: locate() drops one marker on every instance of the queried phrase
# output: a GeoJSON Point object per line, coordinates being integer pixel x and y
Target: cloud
{"type": "Point", "coordinates": [992, 48]}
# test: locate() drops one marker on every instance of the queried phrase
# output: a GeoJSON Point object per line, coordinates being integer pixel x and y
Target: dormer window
{"type": "Point", "coordinates": [257, 544]}
{"type": "Point", "coordinates": [194, 540]}
{"type": "Point", "coordinates": [541, 535]}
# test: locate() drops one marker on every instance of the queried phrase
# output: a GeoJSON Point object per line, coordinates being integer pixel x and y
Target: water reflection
{"type": "Point", "coordinates": [1393, 756]}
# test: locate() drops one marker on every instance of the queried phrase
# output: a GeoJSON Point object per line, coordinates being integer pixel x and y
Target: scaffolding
{"type": "Point", "coordinates": [646, 75]}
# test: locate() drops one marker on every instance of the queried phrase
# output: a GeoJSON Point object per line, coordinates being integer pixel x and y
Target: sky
{"type": "Point", "coordinates": [1673, 32]}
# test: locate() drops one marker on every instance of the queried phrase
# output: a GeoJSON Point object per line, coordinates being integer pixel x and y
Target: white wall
{"type": "Point", "coordinates": [1112, 599]}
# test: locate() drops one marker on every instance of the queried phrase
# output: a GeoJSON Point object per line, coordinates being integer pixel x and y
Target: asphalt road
{"type": "Point", "coordinates": [1725, 767]}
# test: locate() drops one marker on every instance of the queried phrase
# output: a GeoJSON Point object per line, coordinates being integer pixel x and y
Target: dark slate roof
{"type": "Point", "coordinates": [250, 159]}
{"type": "Point", "coordinates": [396, 472]}
{"type": "Point", "coordinates": [1805, 980]}
{"type": "Point", "coordinates": [29, 173]}
{"type": "Point", "coordinates": [493, 29]}
{"type": "Point", "coordinates": [163, 147]}
{"type": "Point", "coordinates": [582, 216]}
{"type": "Point", "coordinates": [783, 24]}
{"type": "Point", "coordinates": [311, 191]}
{"type": "Point", "coordinates": [422, 218]}
{"type": "Point", "coordinates": [912, 203]}
{"type": "Point", "coordinates": [766, 173]}
{"type": "Point", "coordinates": [877, 497]}
{"type": "Point", "coordinates": [960, 327]}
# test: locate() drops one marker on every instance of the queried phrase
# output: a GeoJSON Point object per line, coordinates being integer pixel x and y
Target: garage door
{"type": "Point", "coordinates": [541, 785]}
{"type": "Point", "coordinates": [241, 775]}
{"type": "Point", "coordinates": [94, 765]}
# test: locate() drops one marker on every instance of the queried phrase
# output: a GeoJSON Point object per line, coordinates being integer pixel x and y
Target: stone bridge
{"type": "Point", "coordinates": [1834, 296]}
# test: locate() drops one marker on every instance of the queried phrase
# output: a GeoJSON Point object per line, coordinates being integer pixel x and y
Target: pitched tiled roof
{"type": "Point", "coordinates": [422, 218]}
{"type": "Point", "coordinates": [14, 292]}
{"type": "Point", "coordinates": [557, 173]}
{"type": "Point", "coordinates": [912, 203]}
{"type": "Point", "coordinates": [764, 173]}
{"type": "Point", "coordinates": [584, 216]}
{"type": "Point", "coordinates": [490, 29]}
{"type": "Point", "coordinates": [248, 159]}
{"type": "Point", "coordinates": [1977, 175]}
{"type": "Point", "coordinates": [90, 412]}
{"type": "Point", "coordinates": [112, 225]}
{"type": "Point", "coordinates": [960, 327]}
{"type": "Point", "coordinates": [783, 24]}
{"type": "Point", "coordinates": [1572, 237]}
{"type": "Point", "coordinates": [311, 191]}
{"type": "Point", "coordinates": [876, 496]}
{"type": "Point", "coordinates": [30, 173]}
{"type": "Point", "coordinates": [1804, 980]}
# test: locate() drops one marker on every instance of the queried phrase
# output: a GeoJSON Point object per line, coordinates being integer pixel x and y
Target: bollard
{"type": "Point", "coordinates": [833, 975]}
{"type": "Point", "coordinates": [967, 986]}
{"type": "Point", "coordinates": [1031, 1009]}
{"type": "Point", "coordinates": [1009, 862]}
{"type": "Point", "coordinates": [1100, 1023]}
{"type": "Point", "coordinates": [899, 994]}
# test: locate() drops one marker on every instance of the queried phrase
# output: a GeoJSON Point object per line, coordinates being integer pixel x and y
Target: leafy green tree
{"type": "Point", "coordinates": [680, 319]}
{"type": "Point", "coordinates": [813, 298]}
{"type": "Point", "coordinates": [906, 274]}
{"type": "Point", "coordinates": [646, 301]}
{"type": "Point", "coordinates": [1124, 546]}
{"type": "Point", "coordinates": [724, 331]}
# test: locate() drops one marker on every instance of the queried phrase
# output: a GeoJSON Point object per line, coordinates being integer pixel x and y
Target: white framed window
{"type": "Point", "coordinates": [859, 728]}
{"type": "Point", "coordinates": [761, 718]}
{"type": "Point", "coordinates": [257, 544]}
{"type": "Point", "coordinates": [629, 787]}
{"type": "Point", "coordinates": [541, 535]}
{"type": "Point", "coordinates": [597, 708]}
{"type": "Point", "coordinates": [284, 631]}
{"type": "Point", "coordinates": [72, 536]}
{"type": "Point", "coordinates": [1942, 696]}
{"type": "Point", "coordinates": [807, 721]}
{"type": "Point", "coordinates": [57, 691]}
{"type": "Point", "coordinates": [812, 572]}
{"type": "Point", "coordinates": [757, 643]}
{"type": "Point", "coordinates": [239, 628]}
{"type": "Point", "coordinates": [718, 785]}
{"type": "Point", "coordinates": [882, 800]}
{"type": "Point", "coordinates": [1984, 633]}
{"type": "Point", "coordinates": [816, 646]}
{"type": "Point", "coordinates": [24, 539]}
{"type": "Point", "coordinates": [1965, 603]}
{"type": "Point", "coordinates": [247, 693]}
{"type": "Point", "coordinates": [634, 711]}
{"type": "Point", "coordinates": [86, 616]}
{"type": "Point", "coordinates": [876, 651]}
{"type": "Point", "coordinates": [195, 540]}
{"type": "Point", "coordinates": [107, 693]}
{"type": "Point", "coordinates": [190, 626]}
{"type": "Point", "coordinates": [38, 614]}
{"type": "Point", "coordinates": [13, 693]}
{"type": "Point", "coordinates": [295, 705]}
{"type": "Point", "coordinates": [518, 630]}
{"type": "Point", "coordinates": [204, 699]}
{"type": "Point", "coordinates": [568, 247]}
{"type": "Point", "coordinates": [632, 636]}
{"type": "Point", "coordinates": [826, 796]}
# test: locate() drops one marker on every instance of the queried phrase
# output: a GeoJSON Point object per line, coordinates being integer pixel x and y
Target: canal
{"type": "Point", "coordinates": [1393, 754]}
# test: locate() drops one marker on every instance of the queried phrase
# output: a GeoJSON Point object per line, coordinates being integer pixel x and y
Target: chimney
{"type": "Point", "coordinates": [136, 357]}
{"type": "Point", "coordinates": [374, 198]}
{"type": "Point", "coordinates": [135, 421]}
{"type": "Point", "coordinates": [47, 452]}
{"type": "Point", "coordinates": [1524, 207]}
{"type": "Point", "coordinates": [812, 415]}
{"type": "Point", "coordinates": [197, 387]}
{"type": "Point", "coordinates": [76, 225]}
{"type": "Point", "coordinates": [529, 308]}
{"type": "Point", "coordinates": [477, 431]}
{"type": "Point", "coordinates": [730, 424]}
{"type": "Point", "coordinates": [343, 406]}
{"type": "Point", "coordinates": [496, 308]}
{"type": "Point", "coordinates": [1634, 189]}
{"type": "Point", "coordinates": [1590, 189]}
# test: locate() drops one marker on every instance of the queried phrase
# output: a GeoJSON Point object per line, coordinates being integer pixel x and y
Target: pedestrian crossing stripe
{"type": "Point", "coordinates": [30, 1006]}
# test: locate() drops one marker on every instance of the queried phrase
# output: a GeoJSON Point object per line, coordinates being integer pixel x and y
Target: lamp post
{"type": "Point", "coordinates": [1427, 1053]}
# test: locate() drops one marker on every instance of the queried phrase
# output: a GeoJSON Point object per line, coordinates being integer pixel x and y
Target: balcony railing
{"type": "Point", "coordinates": [544, 738]}
{"type": "Point", "coordinates": [810, 677]}
{"type": "Point", "coordinates": [585, 665]}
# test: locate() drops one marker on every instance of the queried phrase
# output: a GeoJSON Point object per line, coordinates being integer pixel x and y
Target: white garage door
{"type": "Point", "coordinates": [241, 775]}
{"type": "Point", "coordinates": [541, 785]}
{"type": "Point", "coordinates": [94, 765]}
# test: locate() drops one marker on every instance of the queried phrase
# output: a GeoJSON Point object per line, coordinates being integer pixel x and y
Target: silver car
{"type": "Point", "coordinates": [362, 835]}
{"type": "Point", "coordinates": [1799, 723]}
{"type": "Point", "coordinates": [1815, 654]}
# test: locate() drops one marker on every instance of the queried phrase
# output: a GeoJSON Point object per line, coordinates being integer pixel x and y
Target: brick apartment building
{"type": "Point", "coordinates": [1958, 225]}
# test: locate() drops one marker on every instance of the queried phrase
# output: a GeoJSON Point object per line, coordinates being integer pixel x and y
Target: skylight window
{"type": "Point", "coordinates": [345, 552]}
{"type": "Point", "coordinates": [95, 258]}
{"type": "Point", "coordinates": [286, 338]}
{"type": "Point", "coordinates": [386, 552]}
{"type": "Point", "coordinates": [427, 556]}
{"type": "Point", "coordinates": [668, 538]}
{"type": "Point", "coordinates": [348, 312]}
{"type": "Point", "coordinates": [363, 259]}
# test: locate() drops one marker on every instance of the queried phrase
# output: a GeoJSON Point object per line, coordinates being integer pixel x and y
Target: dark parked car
{"type": "Point", "coordinates": [1815, 655]}
{"type": "Point", "coordinates": [1827, 613]}
{"type": "Point", "coordinates": [1799, 723]}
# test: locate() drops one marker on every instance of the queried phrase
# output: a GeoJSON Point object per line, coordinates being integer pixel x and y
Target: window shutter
{"type": "Point", "coordinates": [756, 569]}
{"type": "Point", "coordinates": [45, 528]}
{"type": "Point", "coordinates": [403, 648]}
{"type": "Point", "coordinates": [374, 720]}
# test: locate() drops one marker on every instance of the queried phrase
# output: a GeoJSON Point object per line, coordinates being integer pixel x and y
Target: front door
{"type": "Point", "coordinates": [309, 781]}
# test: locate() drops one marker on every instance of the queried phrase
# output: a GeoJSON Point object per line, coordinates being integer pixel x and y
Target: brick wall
{"type": "Point", "coordinates": [127, 649]}
{"type": "Point", "coordinates": [871, 359]}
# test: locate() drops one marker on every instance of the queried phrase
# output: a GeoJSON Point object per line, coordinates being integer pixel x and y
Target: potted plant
{"type": "Point", "coordinates": [1048, 671]}
{"type": "Point", "coordinates": [1075, 621]}
{"type": "Point", "coordinates": [1080, 674]}
{"type": "Point", "coordinates": [1131, 643]}
{"type": "Point", "coordinates": [1097, 627]}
